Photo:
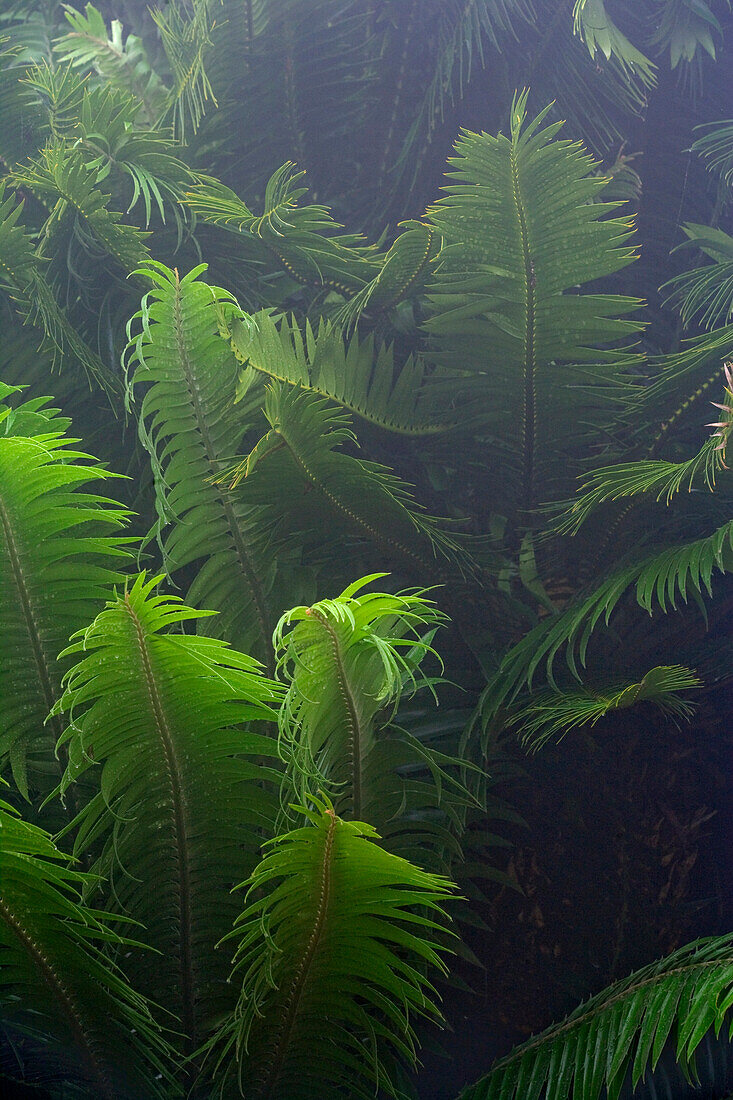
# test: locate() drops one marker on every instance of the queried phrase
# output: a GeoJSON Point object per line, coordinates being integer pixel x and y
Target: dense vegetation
{"type": "Point", "coordinates": [320, 487]}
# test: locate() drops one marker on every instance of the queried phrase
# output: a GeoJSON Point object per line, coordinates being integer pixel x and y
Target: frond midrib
{"type": "Point", "coordinates": [178, 803]}
{"type": "Point", "coordinates": [355, 730]}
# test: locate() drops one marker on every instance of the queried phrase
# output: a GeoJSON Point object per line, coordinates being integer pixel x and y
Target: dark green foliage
{"type": "Point", "coordinates": [452, 396]}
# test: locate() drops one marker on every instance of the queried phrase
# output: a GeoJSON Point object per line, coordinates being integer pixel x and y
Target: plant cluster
{"type": "Point", "coordinates": [238, 835]}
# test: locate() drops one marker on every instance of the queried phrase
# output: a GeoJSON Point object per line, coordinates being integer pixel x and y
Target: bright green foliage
{"type": "Point", "coordinates": [520, 228]}
{"type": "Point", "coordinates": [356, 374]}
{"type": "Point", "coordinates": [66, 1009]}
{"type": "Point", "coordinates": [186, 790]}
{"type": "Point", "coordinates": [60, 554]}
{"type": "Point", "coordinates": [624, 1028]}
{"type": "Point", "coordinates": [192, 433]}
{"type": "Point", "coordinates": [550, 716]}
{"type": "Point", "coordinates": [334, 928]}
{"type": "Point", "coordinates": [348, 662]}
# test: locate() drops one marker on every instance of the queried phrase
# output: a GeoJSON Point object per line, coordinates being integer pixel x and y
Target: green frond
{"type": "Point", "coordinates": [303, 239]}
{"type": "Point", "coordinates": [116, 59]}
{"type": "Point", "coordinates": [63, 175]}
{"type": "Point", "coordinates": [551, 715]}
{"type": "Point", "coordinates": [716, 146]}
{"type": "Point", "coordinates": [348, 663]}
{"type": "Point", "coordinates": [407, 267]}
{"type": "Point", "coordinates": [21, 272]}
{"type": "Point", "coordinates": [520, 230]}
{"type": "Point", "coordinates": [657, 581]}
{"type": "Point", "coordinates": [302, 451]}
{"type": "Point", "coordinates": [185, 789]}
{"type": "Point", "coordinates": [622, 1031]}
{"type": "Point", "coordinates": [60, 554]}
{"type": "Point", "coordinates": [69, 1006]}
{"type": "Point", "coordinates": [185, 32]}
{"type": "Point", "coordinates": [705, 293]}
{"type": "Point", "coordinates": [655, 477]}
{"type": "Point", "coordinates": [593, 24]}
{"type": "Point", "coordinates": [355, 373]}
{"type": "Point", "coordinates": [189, 425]}
{"type": "Point", "coordinates": [334, 928]}
{"type": "Point", "coordinates": [685, 31]}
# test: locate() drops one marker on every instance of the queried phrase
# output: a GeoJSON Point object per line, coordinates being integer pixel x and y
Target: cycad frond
{"type": "Point", "coordinates": [303, 448]}
{"type": "Point", "coordinates": [58, 552]}
{"type": "Point", "coordinates": [520, 229]}
{"type": "Point", "coordinates": [186, 36]}
{"type": "Point", "coordinates": [334, 929]}
{"type": "Point", "coordinates": [182, 797]}
{"type": "Point", "coordinates": [70, 1007]}
{"type": "Point", "coordinates": [304, 239]}
{"type": "Point", "coordinates": [348, 662]}
{"type": "Point", "coordinates": [193, 432]}
{"type": "Point", "coordinates": [356, 374]}
{"type": "Point", "coordinates": [551, 715]}
{"type": "Point", "coordinates": [660, 580]}
{"type": "Point", "coordinates": [705, 292]}
{"type": "Point", "coordinates": [597, 29]}
{"type": "Point", "coordinates": [620, 1033]}
{"type": "Point", "coordinates": [118, 60]}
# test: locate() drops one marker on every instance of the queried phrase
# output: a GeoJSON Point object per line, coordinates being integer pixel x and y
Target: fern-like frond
{"type": "Point", "coordinates": [601, 35]}
{"type": "Point", "coordinates": [551, 715]}
{"type": "Point", "coordinates": [185, 32]}
{"type": "Point", "coordinates": [60, 553]}
{"type": "Point", "coordinates": [185, 788]}
{"type": "Point", "coordinates": [655, 477]}
{"type": "Point", "coordinates": [72, 1011]}
{"type": "Point", "coordinates": [715, 145]}
{"type": "Point", "coordinates": [661, 580]}
{"type": "Point", "coordinates": [302, 451]}
{"type": "Point", "coordinates": [704, 293]}
{"type": "Point", "coordinates": [357, 374]}
{"type": "Point", "coordinates": [303, 239]}
{"type": "Point", "coordinates": [348, 662]}
{"type": "Point", "coordinates": [335, 929]}
{"type": "Point", "coordinates": [189, 425]}
{"type": "Point", "coordinates": [620, 1034]}
{"type": "Point", "coordinates": [117, 59]}
{"type": "Point", "coordinates": [520, 230]}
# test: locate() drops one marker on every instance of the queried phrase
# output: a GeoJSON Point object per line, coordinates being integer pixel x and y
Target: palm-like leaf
{"type": "Point", "coordinates": [357, 375]}
{"type": "Point", "coordinates": [520, 228]}
{"type": "Point", "coordinates": [622, 1031]}
{"type": "Point", "coordinates": [59, 549]}
{"type": "Point", "coordinates": [70, 1008]}
{"type": "Point", "coordinates": [192, 432]}
{"type": "Point", "coordinates": [551, 715]}
{"type": "Point", "coordinates": [335, 929]}
{"type": "Point", "coordinates": [182, 796]}
{"type": "Point", "coordinates": [348, 662]}
{"type": "Point", "coordinates": [304, 449]}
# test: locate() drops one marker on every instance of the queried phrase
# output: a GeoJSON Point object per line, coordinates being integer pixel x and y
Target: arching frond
{"type": "Point", "coordinates": [336, 929]}
{"type": "Point", "coordinates": [549, 716]}
{"type": "Point", "coordinates": [185, 32]}
{"type": "Point", "coordinates": [185, 788]}
{"type": "Point", "coordinates": [620, 1033]}
{"type": "Point", "coordinates": [357, 374]}
{"type": "Point", "coordinates": [348, 662]}
{"type": "Point", "coordinates": [187, 375]}
{"type": "Point", "coordinates": [705, 292]}
{"type": "Point", "coordinates": [660, 580]}
{"type": "Point", "coordinates": [597, 29]}
{"type": "Point", "coordinates": [60, 552]}
{"type": "Point", "coordinates": [70, 1007]}
{"type": "Point", "coordinates": [303, 239]}
{"type": "Point", "coordinates": [303, 448]}
{"type": "Point", "coordinates": [520, 229]}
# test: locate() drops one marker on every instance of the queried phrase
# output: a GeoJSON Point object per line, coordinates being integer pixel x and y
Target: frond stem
{"type": "Point", "coordinates": [353, 717]}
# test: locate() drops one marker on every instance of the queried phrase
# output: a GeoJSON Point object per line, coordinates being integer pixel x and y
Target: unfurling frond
{"type": "Point", "coordinates": [334, 929]}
